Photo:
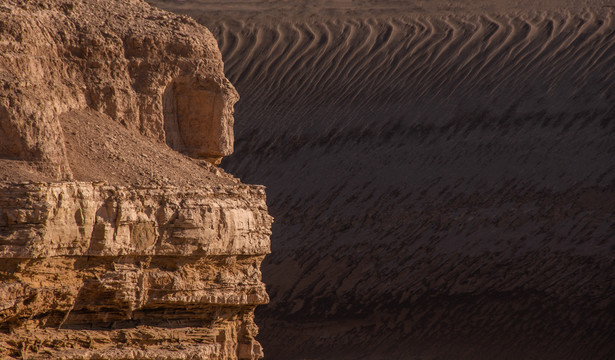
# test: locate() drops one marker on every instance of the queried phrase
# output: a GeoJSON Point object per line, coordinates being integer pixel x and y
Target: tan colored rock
{"type": "Point", "coordinates": [156, 73]}
{"type": "Point", "coordinates": [138, 307]}
{"type": "Point", "coordinates": [86, 219]}
{"type": "Point", "coordinates": [112, 244]}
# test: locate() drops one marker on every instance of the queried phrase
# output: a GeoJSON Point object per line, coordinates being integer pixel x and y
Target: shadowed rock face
{"type": "Point", "coordinates": [112, 244]}
{"type": "Point", "coordinates": [443, 181]}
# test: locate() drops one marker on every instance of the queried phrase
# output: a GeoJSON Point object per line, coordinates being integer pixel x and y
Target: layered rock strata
{"type": "Point", "coordinates": [113, 245]}
{"type": "Point", "coordinates": [94, 270]}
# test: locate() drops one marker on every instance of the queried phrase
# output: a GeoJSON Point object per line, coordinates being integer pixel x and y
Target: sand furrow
{"type": "Point", "coordinates": [439, 182]}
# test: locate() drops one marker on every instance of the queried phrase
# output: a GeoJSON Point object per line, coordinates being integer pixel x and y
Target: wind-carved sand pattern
{"type": "Point", "coordinates": [443, 185]}
{"type": "Point", "coordinates": [392, 64]}
{"type": "Point", "coordinates": [438, 182]}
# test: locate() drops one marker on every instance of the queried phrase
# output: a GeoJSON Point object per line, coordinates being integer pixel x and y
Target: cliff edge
{"type": "Point", "coordinates": [118, 237]}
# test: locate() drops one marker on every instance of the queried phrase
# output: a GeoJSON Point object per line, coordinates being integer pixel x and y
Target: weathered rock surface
{"type": "Point", "coordinates": [113, 245]}
{"type": "Point", "coordinates": [85, 219]}
{"type": "Point", "coordinates": [156, 73]}
{"type": "Point", "coordinates": [165, 272]}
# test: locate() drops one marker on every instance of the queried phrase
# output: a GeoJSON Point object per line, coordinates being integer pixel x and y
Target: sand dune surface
{"type": "Point", "coordinates": [443, 181]}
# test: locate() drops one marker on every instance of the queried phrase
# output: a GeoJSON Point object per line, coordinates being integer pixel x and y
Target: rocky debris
{"type": "Point", "coordinates": [114, 244]}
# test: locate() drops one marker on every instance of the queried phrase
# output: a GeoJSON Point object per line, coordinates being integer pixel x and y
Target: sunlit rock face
{"type": "Point", "coordinates": [113, 245]}
{"type": "Point", "coordinates": [156, 73]}
{"type": "Point", "coordinates": [86, 267]}
{"type": "Point", "coordinates": [198, 118]}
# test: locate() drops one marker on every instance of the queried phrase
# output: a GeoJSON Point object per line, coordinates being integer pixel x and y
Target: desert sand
{"type": "Point", "coordinates": [442, 174]}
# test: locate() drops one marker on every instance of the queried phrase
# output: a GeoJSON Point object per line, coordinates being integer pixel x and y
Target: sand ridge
{"type": "Point", "coordinates": [274, 10]}
{"type": "Point", "coordinates": [421, 155]}
{"type": "Point", "coordinates": [441, 177]}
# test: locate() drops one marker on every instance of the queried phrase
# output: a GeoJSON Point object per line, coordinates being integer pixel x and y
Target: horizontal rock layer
{"type": "Point", "coordinates": [164, 272]}
{"type": "Point", "coordinates": [77, 219]}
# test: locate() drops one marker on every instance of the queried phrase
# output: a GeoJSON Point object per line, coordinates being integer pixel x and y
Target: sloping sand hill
{"type": "Point", "coordinates": [442, 174]}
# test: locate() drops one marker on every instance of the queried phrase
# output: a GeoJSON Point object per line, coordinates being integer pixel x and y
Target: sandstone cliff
{"type": "Point", "coordinates": [113, 244]}
{"type": "Point", "coordinates": [156, 73]}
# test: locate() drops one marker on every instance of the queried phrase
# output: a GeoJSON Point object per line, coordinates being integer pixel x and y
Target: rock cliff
{"type": "Point", "coordinates": [156, 73]}
{"type": "Point", "coordinates": [113, 243]}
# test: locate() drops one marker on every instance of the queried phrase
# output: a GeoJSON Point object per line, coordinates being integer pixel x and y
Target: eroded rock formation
{"type": "Point", "coordinates": [87, 267]}
{"type": "Point", "coordinates": [124, 59]}
{"type": "Point", "coordinates": [113, 245]}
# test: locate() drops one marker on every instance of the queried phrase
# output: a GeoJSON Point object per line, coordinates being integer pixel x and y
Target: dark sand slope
{"type": "Point", "coordinates": [443, 186]}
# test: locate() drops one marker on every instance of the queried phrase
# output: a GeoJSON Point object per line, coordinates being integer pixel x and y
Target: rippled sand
{"type": "Point", "coordinates": [442, 175]}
